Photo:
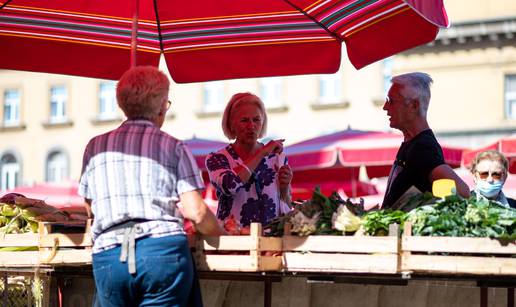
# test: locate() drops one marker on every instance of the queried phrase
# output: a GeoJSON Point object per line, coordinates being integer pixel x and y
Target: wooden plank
{"type": "Point", "coordinates": [270, 263]}
{"type": "Point", "coordinates": [270, 244]}
{"type": "Point", "coordinates": [18, 259]}
{"type": "Point", "coordinates": [240, 243]}
{"type": "Point", "coordinates": [356, 263]}
{"type": "Point", "coordinates": [239, 263]}
{"type": "Point", "coordinates": [233, 263]}
{"type": "Point", "coordinates": [20, 239]}
{"type": "Point", "coordinates": [342, 244]}
{"type": "Point", "coordinates": [66, 240]}
{"type": "Point", "coordinates": [457, 245]}
{"type": "Point", "coordinates": [236, 243]}
{"type": "Point", "coordinates": [459, 264]}
{"type": "Point", "coordinates": [72, 256]}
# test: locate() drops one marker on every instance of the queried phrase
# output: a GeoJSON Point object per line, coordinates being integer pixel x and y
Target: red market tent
{"type": "Point", "coordinates": [506, 145]}
{"type": "Point", "coordinates": [60, 195]}
{"type": "Point", "coordinates": [210, 40]}
{"type": "Point", "coordinates": [200, 148]}
{"type": "Point", "coordinates": [64, 195]}
{"type": "Point", "coordinates": [340, 154]}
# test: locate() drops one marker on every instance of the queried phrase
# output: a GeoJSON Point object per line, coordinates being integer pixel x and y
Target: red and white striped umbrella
{"type": "Point", "coordinates": [206, 40]}
{"type": "Point", "coordinates": [350, 149]}
{"type": "Point", "coordinates": [506, 146]}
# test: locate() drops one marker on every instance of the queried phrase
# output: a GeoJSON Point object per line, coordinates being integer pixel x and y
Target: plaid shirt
{"type": "Point", "coordinates": [136, 171]}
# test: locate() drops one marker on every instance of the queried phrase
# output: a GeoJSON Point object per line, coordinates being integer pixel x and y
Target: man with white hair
{"type": "Point", "coordinates": [419, 161]}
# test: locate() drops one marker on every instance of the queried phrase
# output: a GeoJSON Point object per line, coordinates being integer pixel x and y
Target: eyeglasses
{"type": "Point", "coordinates": [494, 175]}
{"type": "Point", "coordinates": [389, 100]}
{"type": "Point", "coordinates": [169, 103]}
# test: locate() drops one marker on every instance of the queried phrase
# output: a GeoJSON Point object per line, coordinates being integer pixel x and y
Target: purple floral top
{"type": "Point", "coordinates": [258, 200]}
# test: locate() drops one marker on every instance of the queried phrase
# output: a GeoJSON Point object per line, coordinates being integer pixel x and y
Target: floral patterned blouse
{"type": "Point", "coordinates": [258, 200]}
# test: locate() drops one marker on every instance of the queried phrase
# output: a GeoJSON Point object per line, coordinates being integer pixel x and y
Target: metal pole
{"type": "Point", "coordinates": [483, 296]}
{"type": "Point", "coordinates": [134, 31]}
{"type": "Point", "coordinates": [267, 294]}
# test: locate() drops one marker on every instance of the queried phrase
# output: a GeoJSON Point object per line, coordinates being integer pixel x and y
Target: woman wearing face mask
{"type": "Point", "coordinates": [489, 170]}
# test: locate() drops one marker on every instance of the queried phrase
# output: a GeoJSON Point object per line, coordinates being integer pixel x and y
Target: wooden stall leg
{"type": "Point", "coordinates": [267, 294]}
{"type": "Point", "coordinates": [6, 292]}
{"type": "Point", "coordinates": [483, 296]}
{"type": "Point", "coordinates": [510, 297]}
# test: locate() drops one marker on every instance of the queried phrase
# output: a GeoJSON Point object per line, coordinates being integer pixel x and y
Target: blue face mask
{"type": "Point", "coordinates": [488, 189]}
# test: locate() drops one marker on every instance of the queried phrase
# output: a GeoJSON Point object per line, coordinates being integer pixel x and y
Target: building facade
{"type": "Point", "coordinates": [46, 120]}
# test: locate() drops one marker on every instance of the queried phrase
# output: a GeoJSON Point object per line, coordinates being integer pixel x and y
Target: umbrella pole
{"type": "Point", "coordinates": [134, 32]}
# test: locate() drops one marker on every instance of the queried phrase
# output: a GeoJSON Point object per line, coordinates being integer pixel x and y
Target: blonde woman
{"type": "Point", "coordinates": [252, 179]}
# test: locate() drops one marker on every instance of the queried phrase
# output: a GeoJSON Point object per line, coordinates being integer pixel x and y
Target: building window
{"type": "Point", "coordinates": [57, 167]}
{"type": "Point", "coordinates": [213, 96]}
{"type": "Point", "coordinates": [11, 108]}
{"type": "Point", "coordinates": [107, 100]}
{"type": "Point", "coordinates": [330, 88]}
{"type": "Point", "coordinates": [510, 96]}
{"type": "Point", "coordinates": [271, 92]}
{"type": "Point", "coordinates": [58, 97]}
{"type": "Point", "coordinates": [9, 172]}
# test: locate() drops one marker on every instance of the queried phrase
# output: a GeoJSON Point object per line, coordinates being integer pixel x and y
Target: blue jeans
{"type": "Point", "coordinates": [164, 274]}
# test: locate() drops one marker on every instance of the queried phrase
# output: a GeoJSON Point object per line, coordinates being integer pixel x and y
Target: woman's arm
{"type": "Point", "coordinates": [225, 179]}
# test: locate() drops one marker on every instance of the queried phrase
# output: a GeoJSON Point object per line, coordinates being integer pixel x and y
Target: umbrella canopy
{"type": "Point", "coordinates": [210, 40]}
{"type": "Point", "coordinates": [60, 195]}
{"type": "Point", "coordinates": [347, 150]}
{"type": "Point", "coordinates": [200, 148]}
{"type": "Point", "coordinates": [506, 146]}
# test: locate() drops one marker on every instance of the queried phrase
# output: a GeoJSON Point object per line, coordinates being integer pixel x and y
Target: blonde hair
{"type": "Point", "coordinates": [141, 90]}
{"type": "Point", "coordinates": [492, 155]}
{"type": "Point", "coordinates": [237, 100]}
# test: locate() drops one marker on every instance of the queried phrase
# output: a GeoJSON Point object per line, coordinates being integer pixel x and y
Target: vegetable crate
{"type": "Point", "coordinates": [249, 253]}
{"type": "Point", "coordinates": [354, 254]}
{"type": "Point", "coordinates": [56, 243]}
{"type": "Point", "coordinates": [456, 255]}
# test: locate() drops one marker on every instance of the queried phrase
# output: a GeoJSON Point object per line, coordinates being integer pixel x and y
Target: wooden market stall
{"type": "Point", "coordinates": [280, 271]}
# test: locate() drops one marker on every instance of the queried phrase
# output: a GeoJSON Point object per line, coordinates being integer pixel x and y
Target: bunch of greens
{"type": "Point", "coordinates": [376, 223]}
{"type": "Point", "coordinates": [313, 216]}
{"type": "Point", "coordinates": [458, 217]}
{"type": "Point", "coordinates": [16, 220]}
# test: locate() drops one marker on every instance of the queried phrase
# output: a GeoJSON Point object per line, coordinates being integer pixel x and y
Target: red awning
{"type": "Point", "coordinates": [353, 148]}
{"type": "Point", "coordinates": [506, 146]}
